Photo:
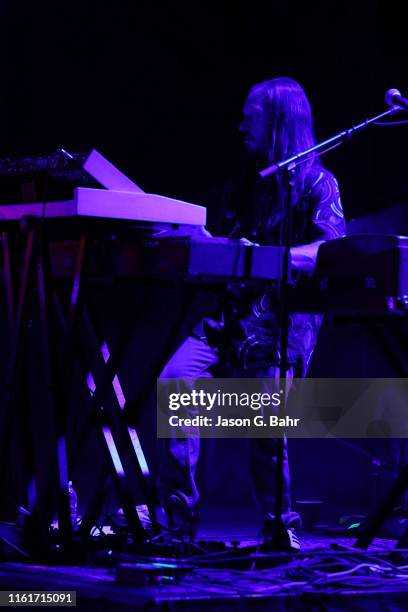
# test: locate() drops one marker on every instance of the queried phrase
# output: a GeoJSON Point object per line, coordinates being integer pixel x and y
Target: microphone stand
{"type": "Point", "coordinates": [287, 171]}
{"type": "Point", "coordinates": [324, 146]}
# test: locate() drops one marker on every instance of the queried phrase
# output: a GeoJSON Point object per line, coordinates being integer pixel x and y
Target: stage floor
{"type": "Point", "coordinates": [366, 580]}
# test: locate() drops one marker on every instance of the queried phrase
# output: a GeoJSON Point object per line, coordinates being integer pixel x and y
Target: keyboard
{"type": "Point", "coordinates": [198, 259]}
{"type": "Point", "coordinates": [112, 196]}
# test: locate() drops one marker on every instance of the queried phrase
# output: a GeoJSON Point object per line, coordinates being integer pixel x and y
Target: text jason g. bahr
{"type": "Point", "coordinates": [257, 421]}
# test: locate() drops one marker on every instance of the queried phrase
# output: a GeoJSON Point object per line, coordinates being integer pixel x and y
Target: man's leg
{"type": "Point", "coordinates": [263, 459]}
{"type": "Point", "coordinates": [179, 456]}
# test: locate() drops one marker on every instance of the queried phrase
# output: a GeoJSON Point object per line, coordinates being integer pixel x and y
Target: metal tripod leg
{"type": "Point", "coordinates": [396, 347]}
{"type": "Point", "coordinates": [383, 511]}
{"type": "Point", "coordinates": [279, 540]}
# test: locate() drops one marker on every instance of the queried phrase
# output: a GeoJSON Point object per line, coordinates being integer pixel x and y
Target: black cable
{"type": "Point", "coordinates": [385, 123]}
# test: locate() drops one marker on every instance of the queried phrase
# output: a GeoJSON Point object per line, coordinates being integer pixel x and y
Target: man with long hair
{"type": "Point", "coordinates": [245, 334]}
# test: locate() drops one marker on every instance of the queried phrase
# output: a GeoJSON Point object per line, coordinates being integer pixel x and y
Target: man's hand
{"type": "Point", "coordinates": [247, 242]}
{"type": "Point", "coordinates": [203, 231]}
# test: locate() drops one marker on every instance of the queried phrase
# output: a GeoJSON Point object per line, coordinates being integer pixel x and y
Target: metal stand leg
{"type": "Point", "coordinates": [124, 452]}
{"type": "Point", "coordinates": [397, 351]}
{"type": "Point", "coordinates": [17, 323]}
{"type": "Point", "coordinates": [121, 440]}
{"type": "Point", "coordinates": [32, 329]}
{"type": "Point", "coordinates": [384, 510]}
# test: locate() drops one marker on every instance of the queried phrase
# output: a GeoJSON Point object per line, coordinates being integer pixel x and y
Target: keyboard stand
{"type": "Point", "coordinates": [32, 374]}
{"type": "Point", "coordinates": [43, 379]}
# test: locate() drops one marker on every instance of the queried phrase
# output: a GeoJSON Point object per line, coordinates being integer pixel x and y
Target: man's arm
{"type": "Point", "coordinates": [303, 257]}
{"type": "Point", "coordinates": [328, 221]}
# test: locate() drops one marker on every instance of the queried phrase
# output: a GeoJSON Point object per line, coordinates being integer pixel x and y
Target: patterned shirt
{"type": "Point", "coordinates": [247, 329]}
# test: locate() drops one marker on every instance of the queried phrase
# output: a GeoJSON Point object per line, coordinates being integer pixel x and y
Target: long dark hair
{"type": "Point", "coordinates": [289, 122]}
{"type": "Point", "coordinates": [288, 115]}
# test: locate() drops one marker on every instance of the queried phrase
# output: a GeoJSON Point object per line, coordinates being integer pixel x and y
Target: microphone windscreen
{"type": "Point", "coordinates": [389, 95]}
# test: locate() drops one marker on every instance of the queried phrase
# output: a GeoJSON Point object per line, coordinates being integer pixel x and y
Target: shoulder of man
{"type": "Point", "coordinates": [326, 208]}
{"type": "Point", "coordinates": [319, 179]}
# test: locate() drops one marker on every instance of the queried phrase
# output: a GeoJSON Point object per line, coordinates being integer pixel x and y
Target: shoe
{"type": "Point", "coordinates": [289, 519]}
{"type": "Point", "coordinates": [293, 540]}
{"type": "Point", "coordinates": [182, 520]}
{"type": "Point", "coordinates": [119, 520]}
{"type": "Point", "coordinates": [284, 540]}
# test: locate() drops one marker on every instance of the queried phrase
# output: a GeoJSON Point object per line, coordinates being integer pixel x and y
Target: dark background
{"type": "Point", "coordinates": [158, 88]}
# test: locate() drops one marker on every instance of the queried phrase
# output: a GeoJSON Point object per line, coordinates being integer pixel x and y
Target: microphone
{"type": "Point", "coordinates": [393, 97]}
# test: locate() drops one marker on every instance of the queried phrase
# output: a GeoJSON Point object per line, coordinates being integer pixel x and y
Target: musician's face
{"type": "Point", "coordinates": [254, 127]}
